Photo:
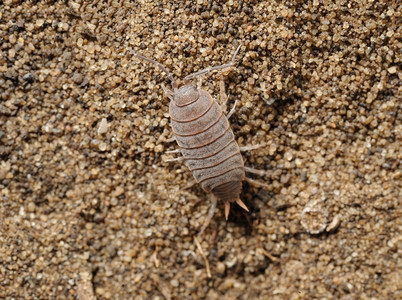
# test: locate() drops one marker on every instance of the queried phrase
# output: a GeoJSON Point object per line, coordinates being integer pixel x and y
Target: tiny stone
{"type": "Point", "coordinates": [103, 126]}
{"type": "Point", "coordinates": [231, 262]}
{"type": "Point", "coordinates": [392, 70]}
{"type": "Point", "coordinates": [40, 22]}
{"type": "Point", "coordinates": [12, 39]}
{"type": "Point", "coordinates": [119, 191]}
{"type": "Point", "coordinates": [102, 146]}
{"type": "Point", "coordinates": [78, 78]}
{"type": "Point", "coordinates": [314, 218]}
{"type": "Point", "coordinates": [3, 173]}
{"type": "Point", "coordinates": [174, 282]}
{"type": "Point", "coordinates": [336, 221]}
{"type": "Point", "coordinates": [31, 207]}
{"type": "Point", "coordinates": [159, 148]}
{"type": "Point", "coordinates": [288, 156]}
{"type": "Point", "coordinates": [220, 268]}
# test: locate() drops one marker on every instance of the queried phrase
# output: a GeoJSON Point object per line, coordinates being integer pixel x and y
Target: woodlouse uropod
{"type": "Point", "coordinates": [205, 138]}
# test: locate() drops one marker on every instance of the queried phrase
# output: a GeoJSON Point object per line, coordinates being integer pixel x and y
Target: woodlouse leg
{"type": "Point", "coordinates": [211, 212]}
{"type": "Point", "coordinates": [199, 83]}
{"type": "Point", "coordinates": [172, 151]}
{"type": "Point", "coordinates": [257, 183]}
{"type": "Point", "coordinates": [181, 158]}
{"type": "Point", "coordinates": [257, 172]}
{"type": "Point", "coordinates": [171, 139]}
{"type": "Point", "coordinates": [210, 69]}
{"type": "Point", "coordinates": [254, 171]}
{"type": "Point", "coordinates": [190, 184]}
{"type": "Point", "coordinates": [252, 147]}
{"type": "Point", "coordinates": [197, 243]}
{"type": "Point", "coordinates": [223, 98]}
{"type": "Point", "coordinates": [223, 105]}
{"type": "Point", "coordinates": [232, 110]}
{"type": "Point", "coordinates": [168, 93]}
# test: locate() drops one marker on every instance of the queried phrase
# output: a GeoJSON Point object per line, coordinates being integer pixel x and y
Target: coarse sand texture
{"type": "Point", "coordinates": [89, 207]}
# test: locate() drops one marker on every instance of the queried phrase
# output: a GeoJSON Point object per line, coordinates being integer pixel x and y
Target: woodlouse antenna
{"type": "Point", "coordinates": [160, 66]}
{"type": "Point", "coordinates": [207, 70]}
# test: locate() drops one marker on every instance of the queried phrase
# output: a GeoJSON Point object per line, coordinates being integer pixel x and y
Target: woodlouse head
{"type": "Point", "coordinates": [186, 95]}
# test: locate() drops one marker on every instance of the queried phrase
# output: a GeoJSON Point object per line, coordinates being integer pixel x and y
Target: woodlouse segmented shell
{"type": "Point", "coordinates": [204, 136]}
{"type": "Point", "coordinates": [207, 143]}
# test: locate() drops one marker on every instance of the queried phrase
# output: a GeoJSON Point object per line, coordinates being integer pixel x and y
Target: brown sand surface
{"type": "Point", "coordinates": [90, 209]}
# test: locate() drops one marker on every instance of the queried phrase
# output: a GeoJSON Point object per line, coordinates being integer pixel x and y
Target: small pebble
{"type": "Point", "coordinates": [103, 126]}
{"type": "Point", "coordinates": [314, 218]}
{"type": "Point", "coordinates": [336, 221]}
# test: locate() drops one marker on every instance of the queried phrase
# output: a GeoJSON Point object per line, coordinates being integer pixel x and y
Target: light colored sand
{"type": "Point", "coordinates": [102, 214]}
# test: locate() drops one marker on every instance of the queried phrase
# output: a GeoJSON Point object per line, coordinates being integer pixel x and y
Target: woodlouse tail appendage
{"type": "Point", "coordinates": [228, 193]}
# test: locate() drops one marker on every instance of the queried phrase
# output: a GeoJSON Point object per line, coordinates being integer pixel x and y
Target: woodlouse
{"type": "Point", "coordinates": [206, 140]}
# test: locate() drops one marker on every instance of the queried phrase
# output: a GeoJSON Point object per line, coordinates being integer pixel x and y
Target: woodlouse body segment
{"type": "Point", "coordinates": [206, 140]}
{"type": "Point", "coordinates": [186, 95]}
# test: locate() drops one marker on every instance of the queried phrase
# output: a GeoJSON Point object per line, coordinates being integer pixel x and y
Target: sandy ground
{"type": "Point", "coordinates": [90, 208]}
